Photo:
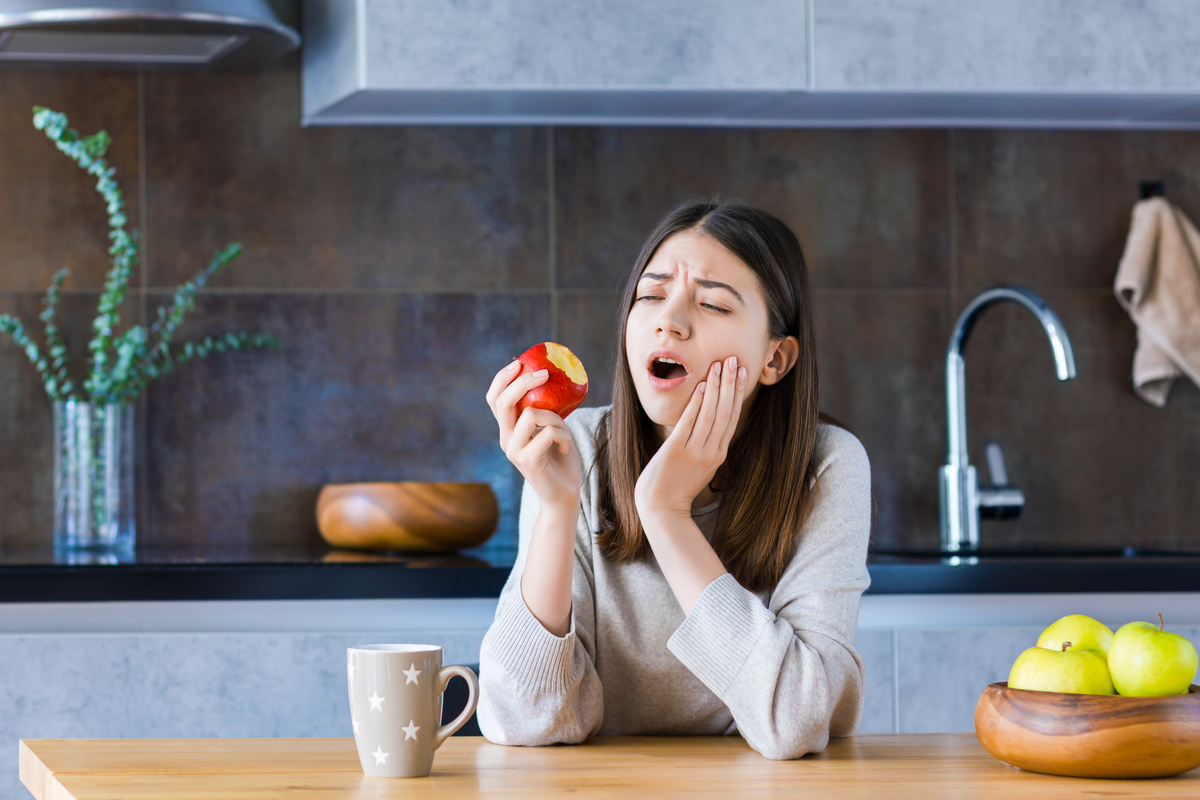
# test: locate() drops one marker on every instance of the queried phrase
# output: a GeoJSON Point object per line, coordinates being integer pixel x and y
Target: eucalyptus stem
{"type": "Point", "coordinates": [13, 327]}
{"type": "Point", "coordinates": [121, 364]}
{"type": "Point", "coordinates": [203, 348]}
{"type": "Point", "coordinates": [88, 152]}
{"type": "Point", "coordinates": [171, 317]}
{"type": "Point", "coordinates": [54, 343]}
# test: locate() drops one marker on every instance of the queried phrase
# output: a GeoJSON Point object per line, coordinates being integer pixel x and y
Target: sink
{"type": "Point", "coordinates": [1037, 553]}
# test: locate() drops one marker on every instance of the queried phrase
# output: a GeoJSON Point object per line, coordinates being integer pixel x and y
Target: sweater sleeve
{"type": "Point", "coordinates": [536, 688]}
{"type": "Point", "coordinates": [788, 670]}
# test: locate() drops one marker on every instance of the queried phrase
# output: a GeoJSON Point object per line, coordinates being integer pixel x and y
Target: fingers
{"type": "Point", "coordinates": [687, 420]}
{"type": "Point", "coordinates": [504, 394]}
{"type": "Point", "coordinates": [736, 398]}
{"type": "Point", "coordinates": [531, 425]}
{"type": "Point", "coordinates": [530, 454]}
{"type": "Point", "coordinates": [516, 390]}
{"type": "Point", "coordinates": [502, 379]}
{"type": "Point", "coordinates": [543, 441]}
{"type": "Point", "coordinates": [719, 413]}
{"type": "Point", "coordinates": [708, 409]}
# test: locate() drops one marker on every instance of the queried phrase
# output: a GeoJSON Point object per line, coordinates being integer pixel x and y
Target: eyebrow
{"type": "Point", "coordinates": [707, 284]}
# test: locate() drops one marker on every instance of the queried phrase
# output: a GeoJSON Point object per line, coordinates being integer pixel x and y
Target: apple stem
{"type": "Point", "coordinates": [1065, 645]}
{"type": "Point", "coordinates": [1160, 621]}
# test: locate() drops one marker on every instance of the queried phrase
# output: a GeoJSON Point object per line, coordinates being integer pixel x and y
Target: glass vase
{"type": "Point", "coordinates": [93, 480]}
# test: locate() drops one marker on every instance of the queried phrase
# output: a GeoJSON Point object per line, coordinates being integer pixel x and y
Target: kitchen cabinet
{"type": "Point", "coordinates": [770, 63]}
{"type": "Point", "coordinates": [228, 668]}
{"type": "Point", "coordinates": [523, 61]}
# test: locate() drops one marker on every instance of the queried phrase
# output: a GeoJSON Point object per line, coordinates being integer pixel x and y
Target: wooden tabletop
{"type": "Point", "coordinates": [919, 766]}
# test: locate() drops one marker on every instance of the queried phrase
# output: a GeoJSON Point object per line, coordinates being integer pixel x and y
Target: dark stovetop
{"type": "Point", "coordinates": [320, 572]}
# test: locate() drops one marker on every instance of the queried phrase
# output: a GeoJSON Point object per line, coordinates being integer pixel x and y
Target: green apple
{"type": "Point", "coordinates": [1071, 671]}
{"type": "Point", "coordinates": [1147, 661]}
{"type": "Point", "coordinates": [1083, 632]}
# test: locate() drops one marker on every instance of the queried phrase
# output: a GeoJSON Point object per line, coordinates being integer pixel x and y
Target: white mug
{"type": "Point", "coordinates": [396, 706]}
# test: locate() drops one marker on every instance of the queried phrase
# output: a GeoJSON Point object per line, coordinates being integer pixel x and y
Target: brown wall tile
{"type": "Point", "coordinates": [871, 208]}
{"type": "Point", "coordinates": [881, 361]}
{"type": "Point", "coordinates": [1052, 208]}
{"type": "Point", "coordinates": [587, 324]}
{"type": "Point", "coordinates": [1181, 452]}
{"type": "Point", "coordinates": [367, 387]}
{"type": "Point", "coordinates": [427, 209]}
{"type": "Point", "coordinates": [50, 214]}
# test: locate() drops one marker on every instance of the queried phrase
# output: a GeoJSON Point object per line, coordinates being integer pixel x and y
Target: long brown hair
{"type": "Point", "coordinates": [767, 481]}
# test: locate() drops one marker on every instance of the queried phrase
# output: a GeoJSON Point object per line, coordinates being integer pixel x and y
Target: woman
{"type": "Point", "coordinates": [705, 577]}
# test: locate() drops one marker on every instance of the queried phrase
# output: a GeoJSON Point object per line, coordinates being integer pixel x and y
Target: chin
{"type": "Point", "coordinates": [661, 413]}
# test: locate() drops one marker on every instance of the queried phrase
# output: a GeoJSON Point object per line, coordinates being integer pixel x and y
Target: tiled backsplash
{"type": "Point", "coordinates": [402, 267]}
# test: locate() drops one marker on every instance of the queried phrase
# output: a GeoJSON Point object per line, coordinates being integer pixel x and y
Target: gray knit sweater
{"type": "Point", "coordinates": [779, 667]}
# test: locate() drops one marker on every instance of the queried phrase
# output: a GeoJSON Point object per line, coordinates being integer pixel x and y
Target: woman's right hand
{"type": "Point", "coordinates": [537, 441]}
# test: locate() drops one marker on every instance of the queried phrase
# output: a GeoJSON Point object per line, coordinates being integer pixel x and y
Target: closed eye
{"type": "Point", "coordinates": [709, 306]}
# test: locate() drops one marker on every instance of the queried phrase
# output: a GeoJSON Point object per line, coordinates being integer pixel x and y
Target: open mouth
{"type": "Point", "coordinates": [667, 369]}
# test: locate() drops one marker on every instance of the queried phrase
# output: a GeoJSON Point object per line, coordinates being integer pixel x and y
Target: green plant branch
{"type": "Point", "coordinates": [171, 317]}
{"type": "Point", "coordinates": [88, 153]}
{"type": "Point", "coordinates": [209, 345]}
{"type": "Point", "coordinates": [13, 327]}
{"type": "Point", "coordinates": [121, 365]}
{"type": "Point", "coordinates": [55, 347]}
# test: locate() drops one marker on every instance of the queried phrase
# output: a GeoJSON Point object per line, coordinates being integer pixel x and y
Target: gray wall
{"type": "Point", "coordinates": [403, 266]}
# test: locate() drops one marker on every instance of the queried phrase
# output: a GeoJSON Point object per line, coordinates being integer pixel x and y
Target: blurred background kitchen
{"type": "Point", "coordinates": [401, 266]}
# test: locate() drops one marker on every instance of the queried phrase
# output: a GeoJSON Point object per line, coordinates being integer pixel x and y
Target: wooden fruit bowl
{"type": "Point", "coordinates": [408, 516]}
{"type": "Point", "coordinates": [1089, 735]}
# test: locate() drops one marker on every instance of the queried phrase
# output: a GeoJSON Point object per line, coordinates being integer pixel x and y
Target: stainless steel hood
{"type": "Point", "coordinates": [239, 35]}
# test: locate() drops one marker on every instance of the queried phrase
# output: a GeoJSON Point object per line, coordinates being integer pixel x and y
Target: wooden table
{"type": "Point", "coordinates": [879, 766]}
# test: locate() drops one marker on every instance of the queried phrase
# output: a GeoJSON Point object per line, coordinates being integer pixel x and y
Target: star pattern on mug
{"type": "Point", "coordinates": [410, 732]}
{"type": "Point", "coordinates": [411, 674]}
{"type": "Point", "coordinates": [350, 669]}
{"type": "Point", "coordinates": [354, 722]}
{"type": "Point", "coordinates": [376, 701]}
{"type": "Point", "coordinates": [380, 756]}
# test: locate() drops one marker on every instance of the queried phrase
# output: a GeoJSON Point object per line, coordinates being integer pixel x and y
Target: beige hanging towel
{"type": "Point", "coordinates": [1158, 283]}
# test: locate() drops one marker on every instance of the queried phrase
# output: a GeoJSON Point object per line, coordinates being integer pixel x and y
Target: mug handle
{"type": "Point", "coordinates": [444, 731]}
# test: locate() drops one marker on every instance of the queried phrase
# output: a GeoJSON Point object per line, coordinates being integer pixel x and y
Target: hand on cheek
{"type": "Point", "coordinates": [689, 458]}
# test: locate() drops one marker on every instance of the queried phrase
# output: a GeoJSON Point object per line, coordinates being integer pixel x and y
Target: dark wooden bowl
{"type": "Point", "coordinates": [409, 516]}
{"type": "Point", "coordinates": [1090, 735]}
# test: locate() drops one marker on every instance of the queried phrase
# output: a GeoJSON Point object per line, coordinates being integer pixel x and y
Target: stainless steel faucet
{"type": "Point", "coordinates": [962, 500]}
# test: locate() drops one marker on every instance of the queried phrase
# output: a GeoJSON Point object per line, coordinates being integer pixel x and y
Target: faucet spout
{"type": "Point", "coordinates": [959, 488]}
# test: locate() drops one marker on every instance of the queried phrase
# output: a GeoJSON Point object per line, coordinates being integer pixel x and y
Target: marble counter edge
{"type": "Point", "coordinates": [438, 617]}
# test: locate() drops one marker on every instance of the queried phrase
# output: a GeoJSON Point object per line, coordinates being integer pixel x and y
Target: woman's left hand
{"type": "Point", "coordinates": [689, 458]}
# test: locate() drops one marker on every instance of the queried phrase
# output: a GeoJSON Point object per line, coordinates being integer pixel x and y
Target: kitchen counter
{"type": "Point", "coordinates": [323, 573]}
{"type": "Point", "coordinates": [920, 766]}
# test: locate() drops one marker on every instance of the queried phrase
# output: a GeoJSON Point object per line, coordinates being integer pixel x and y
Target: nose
{"type": "Point", "coordinates": [672, 318]}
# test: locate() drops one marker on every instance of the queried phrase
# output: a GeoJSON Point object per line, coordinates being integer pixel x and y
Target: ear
{"type": "Point", "coordinates": [787, 352]}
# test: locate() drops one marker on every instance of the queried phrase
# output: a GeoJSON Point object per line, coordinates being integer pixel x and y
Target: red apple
{"type": "Point", "coordinates": [565, 386]}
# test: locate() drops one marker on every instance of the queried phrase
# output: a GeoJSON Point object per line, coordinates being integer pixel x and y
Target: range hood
{"type": "Point", "coordinates": [238, 35]}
